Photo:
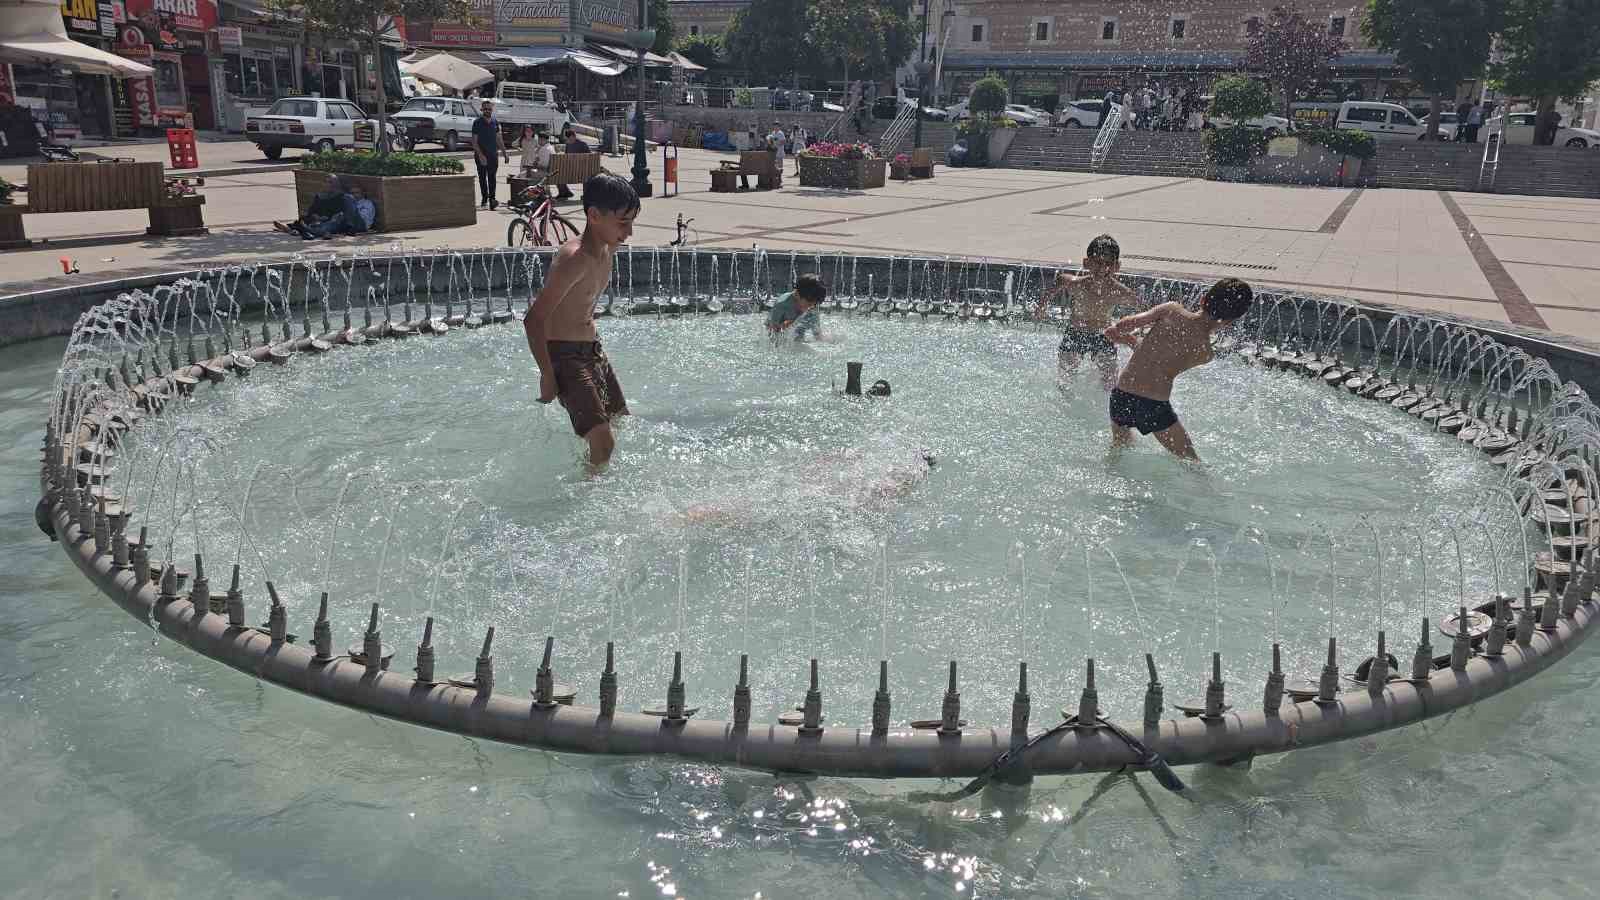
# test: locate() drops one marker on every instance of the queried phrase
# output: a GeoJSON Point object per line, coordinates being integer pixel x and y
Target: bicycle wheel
{"type": "Point", "coordinates": [561, 230]}
{"type": "Point", "coordinates": [518, 233]}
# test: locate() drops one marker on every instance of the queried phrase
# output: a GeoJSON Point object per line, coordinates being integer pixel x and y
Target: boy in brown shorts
{"type": "Point", "coordinates": [560, 321]}
{"type": "Point", "coordinates": [1095, 295]}
{"type": "Point", "coordinates": [1178, 341]}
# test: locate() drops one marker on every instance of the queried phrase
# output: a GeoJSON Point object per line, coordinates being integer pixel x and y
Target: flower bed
{"type": "Point", "coordinates": [846, 166]}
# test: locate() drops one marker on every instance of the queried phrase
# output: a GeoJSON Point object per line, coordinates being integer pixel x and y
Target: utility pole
{"type": "Point", "coordinates": [643, 38]}
{"type": "Point", "coordinates": [922, 78]}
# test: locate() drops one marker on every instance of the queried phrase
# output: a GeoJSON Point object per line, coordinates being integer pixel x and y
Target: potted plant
{"type": "Point", "coordinates": [900, 167]}
{"type": "Point", "coordinates": [1351, 145]}
{"type": "Point", "coordinates": [989, 132]}
{"type": "Point", "coordinates": [834, 165]}
{"type": "Point", "coordinates": [1230, 150]}
{"type": "Point", "coordinates": [410, 190]}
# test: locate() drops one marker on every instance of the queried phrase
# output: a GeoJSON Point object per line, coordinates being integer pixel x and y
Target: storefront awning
{"type": "Point", "coordinates": [539, 56]}
{"type": "Point", "coordinates": [631, 56]}
{"type": "Point", "coordinates": [32, 33]}
{"type": "Point", "coordinates": [598, 64]}
{"type": "Point", "coordinates": [679, 61]}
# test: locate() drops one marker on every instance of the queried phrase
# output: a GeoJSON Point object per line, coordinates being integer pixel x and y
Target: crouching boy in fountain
{"type": "Point", "coordinates": [560, 321]}
{"type": "Point", "coordinates": [798, 309]}
{"type": "Point", "coordinates": [1094, 295]}
{"type": "Point", "coordinates": [1178, 340]}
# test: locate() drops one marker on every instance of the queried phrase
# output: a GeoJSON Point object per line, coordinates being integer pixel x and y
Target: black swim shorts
{"type": "Point", "coordinates": [1082, 340]}
{"type": "Point", "coordinates": [1133, 411]}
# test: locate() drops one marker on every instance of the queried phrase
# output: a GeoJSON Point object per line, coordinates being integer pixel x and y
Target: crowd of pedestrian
{"type": "Point", "coordinates": [1159, 107]}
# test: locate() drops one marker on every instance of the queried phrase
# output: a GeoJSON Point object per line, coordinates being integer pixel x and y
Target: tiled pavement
{"type": "Point", "coordinates": [1493, 257]}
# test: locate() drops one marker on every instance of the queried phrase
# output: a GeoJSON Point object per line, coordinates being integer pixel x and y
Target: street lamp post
{"type": "Point", "coordinates": [922, 78]}
{"type": "Point", "coordinates": [641, 41]}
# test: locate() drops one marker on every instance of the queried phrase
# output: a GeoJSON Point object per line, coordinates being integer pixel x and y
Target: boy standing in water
{"type": "Point", "coordinates": [1094, 294]}
{"type": "Point", "coordinates": [798, 308]}
{"type": "Point", "coordinates": [560, 321]}
{"type": "Point", "coordinates": [1178, 341]}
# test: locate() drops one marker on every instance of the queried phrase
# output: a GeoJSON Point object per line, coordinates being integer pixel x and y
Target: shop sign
{"type": "Point", "coordinates": [230, 37]}
{"type": "Point", "coordinates": [366, 136]}
{"type": "Point", "coordinates": [190, 15]}
{"type": "Point", "coordinates": [478, 32]}
{"type": "Point", "coordinates": [141, 91]}
{"type": "Point", "coordinates": [531, 14]}
{"type": "Point", "coordinates": [605, 16]}
{"type": "Point", "coordinates": [81, 16]}
{"type": "Point", "coordinates": [108, 19]}
{"type": "Point", "coordinates": [1097, 85]}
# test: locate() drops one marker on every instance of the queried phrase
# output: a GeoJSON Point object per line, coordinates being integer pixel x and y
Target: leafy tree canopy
{"type": "Point", "coordinates": [1292, 51]}
{"type": "Point", "coordinates": [988, 95]}
{"type": "Point", "coordinates": [701, 49]}
{"type": "Point", "coordinates": [1239, 98]}
{"type": "Point", "coordinates": [769, 40]}
{"type": "Point", "coordinates": [1441, 42]}
{"type": "Point", "coordinates": [869, 37]}
{"type": "Point", "coordinates": [1551, 47]}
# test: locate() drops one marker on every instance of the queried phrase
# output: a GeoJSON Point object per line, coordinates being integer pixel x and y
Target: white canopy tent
{"type": "Point", "coordinates": [32, 33]}
{"type": "Point", "coordinates": [679, 61]}
{"type": "Point", "coordinates": [447, 71]}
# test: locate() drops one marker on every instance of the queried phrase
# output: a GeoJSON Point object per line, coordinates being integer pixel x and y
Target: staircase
{"type": "Point", "coordinates": [936, 136]}
{"type": "Point", "coordinates": [1549, 171]}
{"type": "Point", "coordinates": [898, 130]}
{"type": "Point", "coordinates": [1540, 171]}
{"type": "Point", "coordinates": [1176, 155]}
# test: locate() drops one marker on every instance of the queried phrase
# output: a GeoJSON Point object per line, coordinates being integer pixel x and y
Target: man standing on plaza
{"type": "Point", "coordinates": [486, 144]}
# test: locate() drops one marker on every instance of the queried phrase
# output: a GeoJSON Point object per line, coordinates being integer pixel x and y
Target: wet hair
{"type": "Point", "coordinates": [880, 388]}
{"type": "Point", "coordinates": [1227, 300]}
{"type": "Point", "coordinates": [609, 193]}
{"type": "Point", "coordinates": [1105, 247]}
{"type": "Point", "coordinates": [810, 287]}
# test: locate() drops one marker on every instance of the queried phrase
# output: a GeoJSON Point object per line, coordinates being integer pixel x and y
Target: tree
{"type": "Point", "coordinates": [870, 36]}
{"type": "Point", "coordinates": [768, 40]}
{"type": "Point", "coordinates": [661, 21]}
{"type": "Point", "coordinates": [988, 95]}
{"type": "Point", "coordinates": [701, 49]}
{"type": "Point", "coordinates": [1440, 42]}
{"type": "Point", "coordinates": [1240, 98]}
{"type": "Point", "coordinates": [369, 23]}
{"type": "Point", "coordinates": [1292, 52]}
{"type": "Point", "coordinates": [1552, 50]}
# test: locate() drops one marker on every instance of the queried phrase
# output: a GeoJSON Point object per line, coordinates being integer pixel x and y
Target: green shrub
{"type": "Point", "coordinates": [988, 95]}
{"type": "Point", "coordinates": [393, 165]}
{"type": "Point", "coordinates": [1344, 141]}
{"type": "Point", "coordinates": [743, 97]}
{"type": "Point", "coordinates": [1239, 98]}
{"type": "Point", "coordinates": [1235, 145]}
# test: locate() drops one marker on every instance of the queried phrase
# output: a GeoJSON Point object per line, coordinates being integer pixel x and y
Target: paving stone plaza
{"type": "Point", "coordinates": [1497, 258]}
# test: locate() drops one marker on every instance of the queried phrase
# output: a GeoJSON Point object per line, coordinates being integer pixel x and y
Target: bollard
{"type": "Point", "coordinates": [881, 701]}
{"type": "Point", "coordinates": [1272, 696]}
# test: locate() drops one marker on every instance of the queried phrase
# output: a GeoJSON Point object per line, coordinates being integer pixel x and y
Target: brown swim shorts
{"type": "Point", "coordinates": [586, 385]}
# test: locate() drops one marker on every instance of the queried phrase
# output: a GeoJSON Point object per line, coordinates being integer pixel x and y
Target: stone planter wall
{"type": "Point", "coordinates": [404, 203]}
{"type": "Point", "coordinates": [845, 174]}
{"type": "Point", "coordinates": [1000, 144]}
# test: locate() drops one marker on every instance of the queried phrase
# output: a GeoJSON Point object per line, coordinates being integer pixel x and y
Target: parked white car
{"type": "Point", "coordinates": [1272, 125]}
{"type": "Point", "coordinates": [1449, 125]}
{"type": "Point", "coordinates": [518, 103]}
{"type": "Point", "coordinates": [311, 123]}
{"type": "Point", "coordinates": [434, 120]}
{"type": "Point", "coordinates": [1079, 114]}
{"type": "Point", "coordinates": [1521, 129]}
{"type": "Point", "coordinates": [1388, 122]}
{"type": "Point", "coordinates": [1023, 114]}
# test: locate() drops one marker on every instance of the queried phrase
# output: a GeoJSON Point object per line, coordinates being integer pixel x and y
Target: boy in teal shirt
{"type": "Point", "coordinates": [798, 308]}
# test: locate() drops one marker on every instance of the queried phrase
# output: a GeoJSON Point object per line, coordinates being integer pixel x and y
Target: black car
{"type": "Point", "coordinates": [780, 98]}
{"type": "Point", "coordinates": [884, 108]}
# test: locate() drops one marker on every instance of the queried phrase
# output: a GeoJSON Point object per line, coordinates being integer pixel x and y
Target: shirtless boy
{"type": "Point", "coordinates": [798, 309]}
{"type": "Point", "coordinates": [1177, 341]}
{"type": "Point", "coordinates": [560, 321]}
{"type": "Point", "coordinates": [1094, 294]}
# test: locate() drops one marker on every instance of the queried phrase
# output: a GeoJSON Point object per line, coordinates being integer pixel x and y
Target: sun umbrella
{"type": "Point", "coordinates": [450, 71]}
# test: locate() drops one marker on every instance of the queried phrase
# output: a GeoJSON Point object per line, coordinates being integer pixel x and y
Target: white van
{"type": "Point", "coordinates": [1384, 121]}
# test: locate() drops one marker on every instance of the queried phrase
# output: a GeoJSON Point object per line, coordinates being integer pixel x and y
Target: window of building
{"type": "Point", "coordinates": [694, 30]}
{"type": "Point", "coordinates": [1336, 26]}
{"type": "Point", "coordinates": [1108, 29]}
{"type": "Point", "coordinates": [1180, 28]}
{"type": "Point", "coordinates": [1252, 26]}
{"type": "Point", "coordinates": [1041, 31]}
{"type": "Point", "coordinates": [977, 34]}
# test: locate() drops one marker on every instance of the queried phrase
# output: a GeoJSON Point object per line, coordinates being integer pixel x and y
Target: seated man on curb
{"type": "Point", "coordinates": [356, 217]}
{"type": "Point", "coordinates": [325, 205]}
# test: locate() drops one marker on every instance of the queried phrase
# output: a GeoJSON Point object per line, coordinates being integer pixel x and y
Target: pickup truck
{"type": "Point", "coordinates": [518, 103]}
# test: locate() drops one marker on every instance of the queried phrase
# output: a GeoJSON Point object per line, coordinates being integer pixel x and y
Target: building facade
{"type": "Point", "coordinates": [1053, 52]}
{"type": "Point", "coordinates": [704, 17]}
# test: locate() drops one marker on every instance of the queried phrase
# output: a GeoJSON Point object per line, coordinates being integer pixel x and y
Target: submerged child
{"type": "Point", "coordinates": [798, 309]}
{"type": "Point", "coordinates": [1094, 295]}
{"type": "Point", "coordinates": [560, 321]}
{"type": "Point", "coordinates": [1178, 340]}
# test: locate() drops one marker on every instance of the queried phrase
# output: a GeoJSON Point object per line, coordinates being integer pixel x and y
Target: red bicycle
{"type": "Point", "coordinates": [536, 222]}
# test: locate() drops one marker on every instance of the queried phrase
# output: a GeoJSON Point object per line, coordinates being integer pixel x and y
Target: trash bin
{"type": "Point", "coordinates": [609, 141]}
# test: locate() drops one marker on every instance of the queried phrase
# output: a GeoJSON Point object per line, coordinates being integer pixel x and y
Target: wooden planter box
{"type": "Point", "coordinates": [849, 174]}
{"type": "Point", "coordinates": [404, 203]}
{"type": "Point", "coordinates": [899, 173]}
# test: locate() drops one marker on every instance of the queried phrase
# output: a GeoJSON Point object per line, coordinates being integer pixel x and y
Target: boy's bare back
{"type": "Point", "coordinates": [1178, 340]}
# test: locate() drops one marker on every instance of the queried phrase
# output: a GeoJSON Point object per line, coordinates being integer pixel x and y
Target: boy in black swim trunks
{"type": "Point", "coordinates": [1178, 340]}
{"type": "Point", "coordinates": [560, 321]}
{"type": "Point", "coordinates": [1094, 294]}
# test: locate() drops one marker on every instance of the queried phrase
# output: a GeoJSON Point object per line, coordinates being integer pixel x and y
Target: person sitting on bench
{"type": "Point", "coordinates": [575, 144]}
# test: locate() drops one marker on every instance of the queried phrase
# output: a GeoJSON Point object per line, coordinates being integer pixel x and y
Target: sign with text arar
{"type": "Point", "coordinates": [191, 15]}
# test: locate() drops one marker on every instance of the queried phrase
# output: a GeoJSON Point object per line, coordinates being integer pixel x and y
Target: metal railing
{"type": "Point", "coordinates": [897, 130]}
{"type": "Point", "coordinates": [1491, 161]}
{"type": "Point", "coordinates": [1110, 125]}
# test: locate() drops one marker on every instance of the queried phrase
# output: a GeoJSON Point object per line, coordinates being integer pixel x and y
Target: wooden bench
{"type": "Point", "coordinates": [922, 163]}
{"type": "Point", "coordinates": [761, 163]}
{"type": "Point", "coordinates": [101, 187]}
{"type": "Point", "coordinates": [574, 168]}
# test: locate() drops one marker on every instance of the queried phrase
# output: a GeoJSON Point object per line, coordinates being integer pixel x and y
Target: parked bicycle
{"type": "Point", "coordinates": [536, 222]}
{"type": "Point", "coordinates": [683, 226]}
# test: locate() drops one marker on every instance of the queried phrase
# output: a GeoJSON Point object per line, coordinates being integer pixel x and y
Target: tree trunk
{"type": "Point", "coordinates": [1544, 133]}
{"type": "Point", "coordinates": [383, 110]}
{"type": "Point", "coordinates": [1436, 103]}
